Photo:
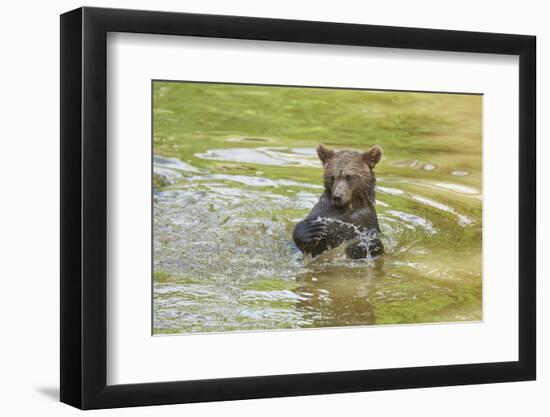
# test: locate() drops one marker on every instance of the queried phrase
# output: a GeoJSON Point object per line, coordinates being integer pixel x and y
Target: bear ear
{"type": "Point", "coordinates": [373, 156]}
{"type": "Point", "coordinates": [325, 154]}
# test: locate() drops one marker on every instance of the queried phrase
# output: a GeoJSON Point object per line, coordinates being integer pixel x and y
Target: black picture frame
{"type": "Point", "coordinates": [84, 207]}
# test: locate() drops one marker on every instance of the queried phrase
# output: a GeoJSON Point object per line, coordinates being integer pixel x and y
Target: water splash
{"type": "Point", "coordinates": [364, 237]}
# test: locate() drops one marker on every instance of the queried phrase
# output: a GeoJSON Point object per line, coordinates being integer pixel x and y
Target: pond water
{"type": "Point", "coordinates": [235, 168]}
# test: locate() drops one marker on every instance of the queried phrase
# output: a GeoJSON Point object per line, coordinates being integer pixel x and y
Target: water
{"type": "Point", "coordinates": [235, 169]}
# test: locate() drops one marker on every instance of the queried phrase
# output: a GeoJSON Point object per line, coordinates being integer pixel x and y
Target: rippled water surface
{"type": "Point", "coordinates": [235, 168]}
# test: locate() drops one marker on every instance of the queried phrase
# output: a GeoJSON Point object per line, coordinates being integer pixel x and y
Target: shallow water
{"type": "Point", "coordinates": [235, 168]}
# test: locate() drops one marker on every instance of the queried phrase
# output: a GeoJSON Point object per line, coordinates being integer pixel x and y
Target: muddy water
{"type": "Point", "coordinates": [235, 169]}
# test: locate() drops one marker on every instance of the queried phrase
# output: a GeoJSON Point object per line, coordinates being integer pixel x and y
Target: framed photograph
{"type": "Point", "coordinates": [258, 208]}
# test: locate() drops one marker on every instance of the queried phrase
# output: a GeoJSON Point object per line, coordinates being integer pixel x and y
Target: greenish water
{"type": "Point", "coordinates": [235, 168]}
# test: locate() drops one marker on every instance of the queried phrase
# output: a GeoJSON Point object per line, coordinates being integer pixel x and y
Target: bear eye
{"type": "Point", "coordinates": [348, 177]}
{"type": "Point", "coordinates": [332, 178]}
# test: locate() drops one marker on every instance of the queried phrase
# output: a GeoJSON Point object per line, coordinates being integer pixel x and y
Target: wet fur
{"type": "Point", "coordinates": [350, 176]}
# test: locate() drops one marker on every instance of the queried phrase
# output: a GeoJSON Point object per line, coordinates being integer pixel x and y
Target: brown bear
{"type": "Point", "coordinates": [345, 211]}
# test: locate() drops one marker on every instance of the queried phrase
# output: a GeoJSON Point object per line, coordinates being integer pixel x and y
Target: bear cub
{"type": "Point", "coordinates": [345, 211]}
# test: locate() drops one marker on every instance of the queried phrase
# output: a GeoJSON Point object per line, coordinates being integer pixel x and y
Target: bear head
{"type": "Point", "coordinates": [349, 175]}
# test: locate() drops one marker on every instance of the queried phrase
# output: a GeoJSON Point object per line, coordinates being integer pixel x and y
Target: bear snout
{"type": "Point", "coordinates": [341, 193]}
